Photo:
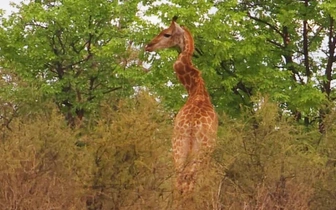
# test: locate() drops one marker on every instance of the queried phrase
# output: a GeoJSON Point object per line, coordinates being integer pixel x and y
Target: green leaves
{"type": "Point", "coordinates": [76, 52]}
{"type": "Point", "coordinates": [329, 6]}
{"type": "Point", "coordinates": [72, 50]}
{"type": "Point", "coordinates": [248, 48]}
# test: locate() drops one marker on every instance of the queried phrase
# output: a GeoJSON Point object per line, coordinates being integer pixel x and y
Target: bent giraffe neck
{"type": "Point", "coordinates": [188, 75]}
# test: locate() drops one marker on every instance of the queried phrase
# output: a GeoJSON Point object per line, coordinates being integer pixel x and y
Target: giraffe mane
{"type": "Point", "coordinates": [190, 39]}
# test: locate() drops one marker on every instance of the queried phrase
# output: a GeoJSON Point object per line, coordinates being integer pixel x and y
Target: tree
{"type": "Point", "coordinates": [299, 30]}
{"type": "Point", "coordinates": [74, 52]}
{"type": "Point", "coordinates": [284, 49]}
{"type": "Point", "coordinates": [75, 55]}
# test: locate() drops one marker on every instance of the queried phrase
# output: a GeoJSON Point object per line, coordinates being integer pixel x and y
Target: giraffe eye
{"type": "Point", "coordinates": [166, 35]}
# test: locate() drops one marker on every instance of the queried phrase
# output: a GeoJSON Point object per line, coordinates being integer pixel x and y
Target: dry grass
{"type": "Point", "coordinates": [123, 161]}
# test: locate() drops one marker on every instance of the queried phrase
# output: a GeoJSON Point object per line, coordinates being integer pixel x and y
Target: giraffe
{"type": "Point", "coordinates": [195, 125]}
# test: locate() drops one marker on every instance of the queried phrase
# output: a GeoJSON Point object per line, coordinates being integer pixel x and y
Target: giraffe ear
{"type": "Point", "coordinates": [177, 29]}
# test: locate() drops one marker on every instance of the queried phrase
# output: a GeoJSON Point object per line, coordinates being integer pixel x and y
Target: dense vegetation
{"type": "Point", "coordinates": [86, 116]}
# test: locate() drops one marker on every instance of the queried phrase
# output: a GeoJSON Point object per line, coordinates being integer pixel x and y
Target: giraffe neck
{"type": "Point", "coordinates": [188, 75]}
{"type": "Point", "coordinates": [188, 42]}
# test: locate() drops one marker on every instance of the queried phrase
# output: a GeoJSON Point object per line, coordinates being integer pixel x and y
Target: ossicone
{"type": "Point", "coordinates": [175, 18]}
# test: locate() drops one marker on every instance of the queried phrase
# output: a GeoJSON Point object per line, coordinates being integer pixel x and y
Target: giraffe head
{"type": "Point", "coordinates": [170, 37]}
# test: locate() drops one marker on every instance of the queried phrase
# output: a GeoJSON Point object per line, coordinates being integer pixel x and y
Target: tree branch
{"type": "Point", "coordinates": [105, 92]}
{"type": "Point", "coordinates": [331, 57]}
{"type": "Point", "coordinates": [275, 43]}
{"type": "Point", "coordinates": [266, 23]}
{"type": "Point", "coordinates": [306, 45]}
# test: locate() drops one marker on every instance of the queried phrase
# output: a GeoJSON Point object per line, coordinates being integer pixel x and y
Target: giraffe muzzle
{"type": "Point", "coordinates": [148, 48]}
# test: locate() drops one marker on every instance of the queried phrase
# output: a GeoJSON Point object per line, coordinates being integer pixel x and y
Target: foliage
{"type": "Point", "coordinates": [70, 53]}
{"type": "Point", "coordinates": [280, 48]}
{"type": "Point", "coordinates": [67, 52]}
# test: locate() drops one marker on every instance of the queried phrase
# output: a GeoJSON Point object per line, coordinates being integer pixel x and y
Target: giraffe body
{"type": "Point", "coordinates": [195, 126]}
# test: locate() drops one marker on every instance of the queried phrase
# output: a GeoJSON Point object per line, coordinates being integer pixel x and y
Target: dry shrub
{"type": "Point", "coordinates": [325, 186]}
{"type": "Point", "coordinates": [269, 163]}
{"type": "Point", "coordinates": [131, 150]}
{"type": "Point", "coordinates": [36, 171]}
{"type": "Point", "coordinates": [120, 161]}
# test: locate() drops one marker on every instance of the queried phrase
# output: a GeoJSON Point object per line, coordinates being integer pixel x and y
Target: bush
{"type": "Point", "coordinates": [39, 165]}
{"type": "Point", "coordinates": [269, 162]}
{"type": "Point", "coordinates": [123, 160]}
